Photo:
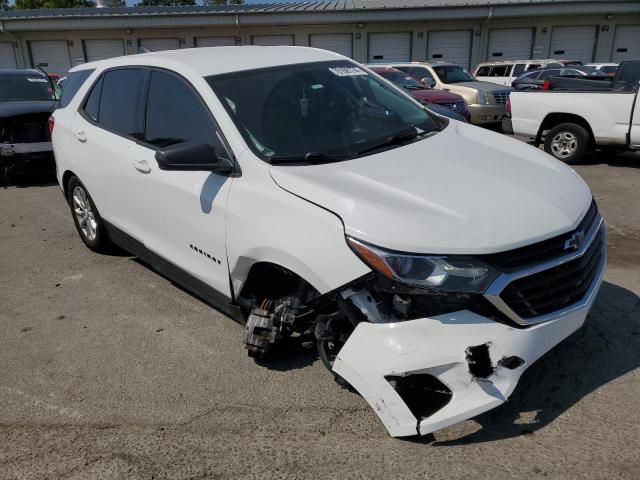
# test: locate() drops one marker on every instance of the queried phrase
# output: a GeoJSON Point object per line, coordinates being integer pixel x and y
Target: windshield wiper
{"type": "Point", "coordinates": [309, 157]}
{"type": "Point", "coordinates": [414, 87]}
{"type": "Point", "coordinates": [393, 140]}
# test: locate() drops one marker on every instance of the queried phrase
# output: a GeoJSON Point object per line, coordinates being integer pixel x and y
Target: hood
{"type": "Point", "coordinates": [12, 109]}
{"type": "Point", "coordinates": [464, 190]}
{"type": "Point", "coordinates": [434, 96]}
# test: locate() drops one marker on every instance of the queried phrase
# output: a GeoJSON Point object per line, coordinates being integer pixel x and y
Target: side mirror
{"type": "Point", "coordinates": [192, 156]}
{"type": "Point", "coordinates": [429, 82]}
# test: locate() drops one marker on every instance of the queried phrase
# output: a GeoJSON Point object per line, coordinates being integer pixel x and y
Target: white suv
{"type": "Point", "coordinates": [296, 191]}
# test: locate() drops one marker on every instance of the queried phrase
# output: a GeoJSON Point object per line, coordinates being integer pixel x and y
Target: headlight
{"type": "Point", "coordinates": [483, 98]}
{"type": "Point", "coordinates": [443, 272]}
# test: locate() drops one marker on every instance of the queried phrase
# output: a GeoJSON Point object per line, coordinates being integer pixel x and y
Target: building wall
{"type": "Point", "coordinates": [543, 27]}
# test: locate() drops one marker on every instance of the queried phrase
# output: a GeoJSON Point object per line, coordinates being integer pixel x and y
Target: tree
{"type": "Point", "coordinates": [34, 4]}
{"type": "Point", "coordinates": [4, 5]}
{"type": "Point", "coordinates": [211, 3]}
{"type": "Point", "coordinates": [165, 3]}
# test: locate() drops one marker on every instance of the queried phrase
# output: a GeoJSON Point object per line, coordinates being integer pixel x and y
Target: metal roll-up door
{"type": "Point", "coordinates": [215, 41]}
{"type": "Point", "coordinates": [341, 43]}
{"type": "Point", "coordinates": [573, 43]}
{"type": "Point", "coordinates": [7, 55]}
{"type": "Point", "coordinates": [160, 44]}
{"type": "Point", "coordinates": [55, 53]}
{"type": "Point", "coordinates": [453, 46]}
{"type": "Point", "coordinates": [626, 44]}
{"type": "Point", "coordinates": [272, 40]}
{"type": "Point", "coordinates": [389, 47]}
{"type": "Point", "coordinates": [103, 49]}
{"type": "Point", "coordinates": [510, 44]}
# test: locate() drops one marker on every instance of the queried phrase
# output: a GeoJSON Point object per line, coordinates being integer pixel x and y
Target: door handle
{"type": "Point", "coordinates": [142, 166]}
{"type": "Point", "coordinates": [81, 137]}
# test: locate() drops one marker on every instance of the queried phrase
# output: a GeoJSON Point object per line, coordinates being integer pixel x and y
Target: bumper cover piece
{"type": "Point", "coordinates": [439, 346]}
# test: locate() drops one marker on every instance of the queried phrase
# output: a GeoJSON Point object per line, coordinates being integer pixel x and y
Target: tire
{"type": "Point", "coordinates": [567, 142]}
{"type": "Point", "coordinates": [86, 217]}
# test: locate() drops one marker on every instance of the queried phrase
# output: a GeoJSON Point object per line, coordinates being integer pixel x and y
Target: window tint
{"type": "Point", "coordinates": [71, 86]}
{"type": "Point", "coordinates": [549, 73]}
{"type": "Point", "coordinates": [531, 66]}
{"type": "Point", "coordinates": [122, 101]}
{"type": "Point", "coordinates": [175, 114]}
{"type": "Point", "coordinates": [500, 71]}
{"type": "Point", "coordinates": [92, 105]}
{"type": "Point", "coordinates": [518, 68]}
{"type": "Point", "coordinates": [630, 73]}
{"type": "Point", "coordinates": [483, 71]}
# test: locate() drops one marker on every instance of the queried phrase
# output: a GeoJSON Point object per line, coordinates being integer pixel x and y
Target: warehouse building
{"type": "Point", "coordinates": [461, 31]}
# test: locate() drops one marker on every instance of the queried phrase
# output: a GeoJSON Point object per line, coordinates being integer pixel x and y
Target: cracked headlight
{"type": "Point", "coordinates": [483, 98]}
{"type": "Point", "coordinates": [454, 273]}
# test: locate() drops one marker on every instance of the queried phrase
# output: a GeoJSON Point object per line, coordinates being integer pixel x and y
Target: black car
{"type": "Point", "coordinates": [27, 99]}
{"type": "Point", "coordinates": [533, 79]}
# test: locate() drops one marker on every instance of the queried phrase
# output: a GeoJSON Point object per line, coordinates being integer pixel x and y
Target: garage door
{"type": "Point", "coordinates": [7, 55]}
{"type": "Point", "coordinates": [103, 49]}
{"type": "Point", "coordinates": [510, 44]}
{"type": "Point", "coordinates": [215, 41]}
{"type": "Point", "coordinates": [341, 43]}
{"type": "Point", "coordinates": [159, 44]}
{"type": "Point", "coordinates": [390, 47]}
{"type": "Point", "coordinates": [626, 45]}
{"type": "Point", "coordinates": [574, 43]}
{"type": "Point", "coordinates": [53, 52]}
{"type": "Point", "coordinates": [453, 46]}
{"type": "Point", "coordinates": [272, 40]}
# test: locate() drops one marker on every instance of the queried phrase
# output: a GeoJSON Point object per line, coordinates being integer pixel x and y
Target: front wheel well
{"type": "Point", "coordinates": [270, 281]}
{"type": "Point", "coordinates": [554, 119]}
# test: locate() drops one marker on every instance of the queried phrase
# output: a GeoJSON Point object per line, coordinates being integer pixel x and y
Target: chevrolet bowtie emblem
{"type": "Point", "coordinates": [575, 241]}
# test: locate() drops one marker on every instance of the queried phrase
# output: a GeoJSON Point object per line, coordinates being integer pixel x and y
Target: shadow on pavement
{"type": "Point", "coordinates": [606, 348]}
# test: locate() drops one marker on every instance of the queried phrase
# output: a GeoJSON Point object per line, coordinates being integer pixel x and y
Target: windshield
{"type": "Point", "coordinates": [318, 111]}
{"type": "Point", "coordinates": [453, 74]}
{"type": "Point", "coordinates": [401, 79]}
{"type": "Point", "coordinates": [24, 87]}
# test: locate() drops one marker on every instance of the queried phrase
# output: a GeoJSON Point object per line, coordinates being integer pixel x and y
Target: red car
{"type": "Point", "coordinates": [425, 95]}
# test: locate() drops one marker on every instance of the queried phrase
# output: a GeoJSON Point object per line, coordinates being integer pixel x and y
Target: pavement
{"type": "Point", "coordinates": [109, 371]}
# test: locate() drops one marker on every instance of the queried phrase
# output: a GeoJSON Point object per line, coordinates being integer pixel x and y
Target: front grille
{"type": "Point", "coordinates": [557, 287]}
{"type": "Point", "coordinates": [501, 96]}
{"type": "Point", "coordinates": [542, 251]}
{"type": "Point", "coordinates": [460, 107]}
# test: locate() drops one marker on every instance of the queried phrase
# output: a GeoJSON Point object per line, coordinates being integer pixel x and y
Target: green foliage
{"type": "Point", "coordinates": [33, 4]}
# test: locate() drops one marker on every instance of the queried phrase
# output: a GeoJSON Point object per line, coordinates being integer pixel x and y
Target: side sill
{"type": "Point", "coordinates": [175, 274]}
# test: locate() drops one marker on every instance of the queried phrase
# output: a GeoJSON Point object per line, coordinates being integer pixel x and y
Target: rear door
{"type": "Point", "coordinates": [106, 131]}
{"type": "Point", "coordinates": [182, 212]}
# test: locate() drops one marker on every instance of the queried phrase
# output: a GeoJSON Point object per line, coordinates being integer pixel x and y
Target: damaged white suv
{"type": "Point", "coordinates": [297, 191]}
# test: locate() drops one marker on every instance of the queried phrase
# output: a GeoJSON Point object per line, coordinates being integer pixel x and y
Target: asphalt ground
{"type": "Point", "coordinates": [108, 371]}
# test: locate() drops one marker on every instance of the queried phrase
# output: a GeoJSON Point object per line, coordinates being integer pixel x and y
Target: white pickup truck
{"type": "Point", "coordinates": [569, 123]}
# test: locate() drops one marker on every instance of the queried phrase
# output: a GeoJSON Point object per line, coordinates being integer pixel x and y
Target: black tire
{"type": "Point", "coordinates": [92, 232]}
{"type": "Point", "coordinates": [567, 142]}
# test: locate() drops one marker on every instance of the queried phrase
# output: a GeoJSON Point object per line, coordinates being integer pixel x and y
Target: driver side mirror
{"type": "Point", "coordinates": [429, 82]}
{"type": "Point", "coordinates": [190, 156]}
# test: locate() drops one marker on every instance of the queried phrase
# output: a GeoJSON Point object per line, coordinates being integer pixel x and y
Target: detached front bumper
{"type": "Point", "coordinates": [448, 348]}
{"type": "Point", "coordinates": [486, 114]}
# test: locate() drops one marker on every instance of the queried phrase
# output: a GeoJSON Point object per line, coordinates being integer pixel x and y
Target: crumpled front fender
{"type": "Point", "coordinates": [439, 347]}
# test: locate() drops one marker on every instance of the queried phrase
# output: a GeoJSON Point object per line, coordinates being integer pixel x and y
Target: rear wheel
{"type": "Point", "coordinates": [568, 142]}
{"type": "Point", "coordinates": [86, 216]}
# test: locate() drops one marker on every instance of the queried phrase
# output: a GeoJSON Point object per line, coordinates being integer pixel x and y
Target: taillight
{"type": "Point", "coordinates": [508, 105]}
{"type": "Point", "coordinates": [52, 122]}
{"type": "Point", "coordinates": [546, 85]}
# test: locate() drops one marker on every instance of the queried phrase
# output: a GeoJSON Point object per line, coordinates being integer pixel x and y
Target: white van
{"type": "Point", "coordinates": [505, 72]}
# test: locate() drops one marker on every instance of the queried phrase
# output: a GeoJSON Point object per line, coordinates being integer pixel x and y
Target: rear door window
{"type": "Point", "coordinates": [122, 101]}
{"type": "Point", "coordinates": [549, 73]}
{"type": "Point", "coordinates": [483, 71]}
{"type": "Point", "coordinates": [176, 114]}
{"type": "Point", "coordinates": [518, 69]}
{"type": "Point", "coordinates": [74, 81]}
{"type": "Point", "coordinates": [92, 105]}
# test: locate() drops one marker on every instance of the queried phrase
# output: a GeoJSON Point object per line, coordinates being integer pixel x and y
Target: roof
{"type": "Point", "coordinates": [282, 7]}
{"type": "Point", "coordinates": [20, 71]}
{"type": "Point", "coordinates": [219, 60]}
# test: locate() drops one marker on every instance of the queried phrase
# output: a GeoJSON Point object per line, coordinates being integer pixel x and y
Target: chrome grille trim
{"type": "Point", "coordinates": [492, 293]}
{"type": "Point", "coordinates": [501, 96]}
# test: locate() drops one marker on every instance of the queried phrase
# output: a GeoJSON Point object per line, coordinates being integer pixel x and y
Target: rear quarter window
{"type": "Point", "coordinates": [75, 80]}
